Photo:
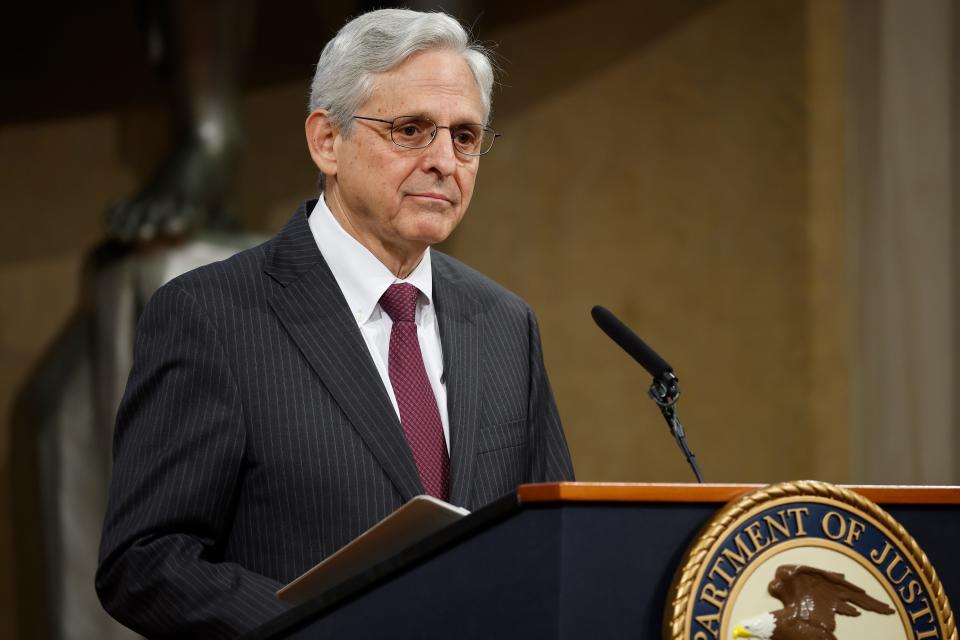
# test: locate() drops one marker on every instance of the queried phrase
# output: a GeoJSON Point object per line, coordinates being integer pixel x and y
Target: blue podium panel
{"type": "Point", "coordinates": [502, 583]}
{"type": "Point", "coordinates": [618, 561]}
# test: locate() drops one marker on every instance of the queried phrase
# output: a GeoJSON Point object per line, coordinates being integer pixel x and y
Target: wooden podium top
{"type": "Point", "coordinates": [688, 492]}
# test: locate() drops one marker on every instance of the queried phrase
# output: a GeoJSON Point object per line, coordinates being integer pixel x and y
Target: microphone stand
{"type": "Point", "coordinates": [665, 391]}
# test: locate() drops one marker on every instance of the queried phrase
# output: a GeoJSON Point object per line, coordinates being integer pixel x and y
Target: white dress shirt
{"type": "Point", "coordinates": [363, 279]}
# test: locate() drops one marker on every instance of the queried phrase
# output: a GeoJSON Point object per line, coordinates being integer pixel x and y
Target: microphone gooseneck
{"type": "Point", "coordinates": [665, 388]}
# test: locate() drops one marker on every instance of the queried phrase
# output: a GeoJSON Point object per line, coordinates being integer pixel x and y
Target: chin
{"type": "Point", "coordinates": [432, 229]}
{"type": "Point", "coordinates": [430, 239]}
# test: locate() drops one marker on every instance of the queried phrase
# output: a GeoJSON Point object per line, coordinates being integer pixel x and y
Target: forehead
{"type": "Point", "coordinates": [437, 83]}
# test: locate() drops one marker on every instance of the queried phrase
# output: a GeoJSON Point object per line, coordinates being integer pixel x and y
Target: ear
{"type": "Point", "coordinates": [321, 135]}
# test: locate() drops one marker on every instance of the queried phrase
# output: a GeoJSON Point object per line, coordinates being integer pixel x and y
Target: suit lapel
{"type": "Point", "coordinates": [311, 307]}
{"type": "Point", "coordinates": [460, 339]}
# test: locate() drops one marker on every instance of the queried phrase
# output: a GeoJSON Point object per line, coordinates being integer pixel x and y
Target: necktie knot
{"type": "Point", "coordinates": [400, 301]}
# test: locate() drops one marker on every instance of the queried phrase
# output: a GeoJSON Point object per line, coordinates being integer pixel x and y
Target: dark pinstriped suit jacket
{"type": "Point", "coordinates": [255, 436]}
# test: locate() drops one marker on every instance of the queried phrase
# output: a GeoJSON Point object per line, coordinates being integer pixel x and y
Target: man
{"type": "Point", "coordinates": [285, 400]}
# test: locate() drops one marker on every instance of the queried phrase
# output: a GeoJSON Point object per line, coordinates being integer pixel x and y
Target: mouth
{"type": "Point", "coordinates": [431, 196]}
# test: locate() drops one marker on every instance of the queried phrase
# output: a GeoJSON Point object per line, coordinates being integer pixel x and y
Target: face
{"type": "Point", "coordinates": [402, 200]}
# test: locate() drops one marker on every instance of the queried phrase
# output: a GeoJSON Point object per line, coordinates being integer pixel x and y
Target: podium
{"type": "Point", "coordinates": [568, 560]}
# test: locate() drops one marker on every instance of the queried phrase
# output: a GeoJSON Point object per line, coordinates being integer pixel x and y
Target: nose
{"type": "Point", "coordinates": [440, 157]}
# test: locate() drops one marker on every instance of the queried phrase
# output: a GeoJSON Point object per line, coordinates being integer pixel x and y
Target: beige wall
{"type": "Point", "coordinates": [681, 164]}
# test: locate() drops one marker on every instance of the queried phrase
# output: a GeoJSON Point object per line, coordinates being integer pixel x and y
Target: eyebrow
{"type": "Point", "coordinates": [454, 123]}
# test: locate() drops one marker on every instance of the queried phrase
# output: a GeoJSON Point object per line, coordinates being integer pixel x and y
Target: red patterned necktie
{"type": "Point", "coordinates": [418, 406]}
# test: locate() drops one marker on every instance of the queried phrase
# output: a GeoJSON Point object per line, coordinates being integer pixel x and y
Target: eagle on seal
{"type": "Point", "coordinates": [811, 599]}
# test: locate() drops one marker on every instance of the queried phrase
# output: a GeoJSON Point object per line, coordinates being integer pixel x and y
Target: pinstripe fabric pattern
{"type": "Point", "coordinates": [255, 436]}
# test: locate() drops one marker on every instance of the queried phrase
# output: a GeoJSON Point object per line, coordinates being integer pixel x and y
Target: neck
{"type": "Point", "coordinates": [400, 260]}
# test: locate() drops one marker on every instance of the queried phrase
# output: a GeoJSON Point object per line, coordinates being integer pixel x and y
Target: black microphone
{"type": "Point", "coordinates": [665, 389]}
{"type": "Point", "coordinates": [632, 344]}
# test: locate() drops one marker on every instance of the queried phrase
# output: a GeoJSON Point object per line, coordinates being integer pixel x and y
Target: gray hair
{"type": "Point", "coordinates": [378, 41]}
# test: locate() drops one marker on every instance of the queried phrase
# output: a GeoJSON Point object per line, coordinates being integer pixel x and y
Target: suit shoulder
{"type": "Point", "coordinates": [484, 289]}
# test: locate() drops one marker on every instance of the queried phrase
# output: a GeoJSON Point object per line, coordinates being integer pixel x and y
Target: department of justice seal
{"type": "Point", "coordinates": [806, 561]}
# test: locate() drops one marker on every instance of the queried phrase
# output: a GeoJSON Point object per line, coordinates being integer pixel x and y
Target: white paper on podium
{"type": "Point", "coordinates": [408, 525]}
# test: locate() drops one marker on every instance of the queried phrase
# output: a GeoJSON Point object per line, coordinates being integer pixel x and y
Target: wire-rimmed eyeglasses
{"type": "Point", "coordinates": [417, 132]}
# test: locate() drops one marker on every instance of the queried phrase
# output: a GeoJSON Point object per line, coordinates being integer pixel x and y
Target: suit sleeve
{"type": "Point", "coordinates": [178, 451]}
{"type": "Point", "coordinates": [549, 454]}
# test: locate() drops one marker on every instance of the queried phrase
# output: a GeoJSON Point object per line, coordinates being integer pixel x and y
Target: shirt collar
{"type": "Point", "coordinates": [361, 276]}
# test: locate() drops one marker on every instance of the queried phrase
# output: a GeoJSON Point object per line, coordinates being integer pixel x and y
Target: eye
{"type": "Point", "coordinates": [467, 137]}
{"type": "Point", "coordinates": [412, 132]}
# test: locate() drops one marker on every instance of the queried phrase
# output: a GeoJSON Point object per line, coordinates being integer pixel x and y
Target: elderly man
{"type": "Point", "coordinates": [285, 400]}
